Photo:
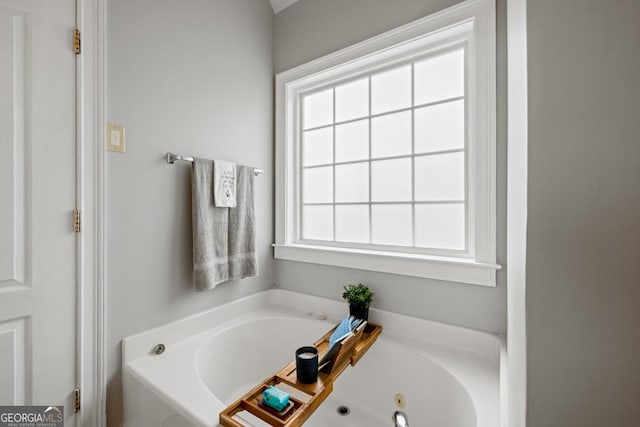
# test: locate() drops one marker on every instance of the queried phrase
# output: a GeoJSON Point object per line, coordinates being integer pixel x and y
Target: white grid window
{"type": "Point", "coordinates": [385, 152]}
{"type": "Point", "coordinates": [383, 158]}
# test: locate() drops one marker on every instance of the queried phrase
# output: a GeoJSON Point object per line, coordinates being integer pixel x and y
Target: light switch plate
{"type": "Point", "coordinates": [115, 138]}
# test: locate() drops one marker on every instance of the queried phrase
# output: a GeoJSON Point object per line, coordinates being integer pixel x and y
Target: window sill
{"type": "Point", "coordinates": [431, 267]}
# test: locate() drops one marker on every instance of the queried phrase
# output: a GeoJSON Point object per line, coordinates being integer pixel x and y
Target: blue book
{"type": "Point", "coordinates": [342, 331]}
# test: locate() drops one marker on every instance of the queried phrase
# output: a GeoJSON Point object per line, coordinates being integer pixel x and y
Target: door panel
{"type": "Point", "coordinates": [12, 149]}
{"type": "Point", "coordinates": [15, 296]}
{"type": "Point", "coordinates": [12, 355]}
{"type": "Point", "coordinates": [37, 197]}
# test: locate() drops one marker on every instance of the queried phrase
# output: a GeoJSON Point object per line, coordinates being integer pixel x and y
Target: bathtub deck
{"type": "Point", "coordinates": [350, 352]}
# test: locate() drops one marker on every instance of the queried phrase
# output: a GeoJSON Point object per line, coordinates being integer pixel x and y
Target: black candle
{"type": "Point", "coordinates": [307, 364]}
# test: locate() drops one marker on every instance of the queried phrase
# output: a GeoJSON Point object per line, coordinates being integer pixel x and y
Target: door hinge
{"type": "Point", "coordinates": [76, 400]}
{"type": "Point", "coordinates": [76, 42]}
{"type": "Point", "coordinates": [76, 220]}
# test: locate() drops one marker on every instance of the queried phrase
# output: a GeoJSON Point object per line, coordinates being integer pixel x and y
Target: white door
{"type": "Point", "coordinates": [37, 198]}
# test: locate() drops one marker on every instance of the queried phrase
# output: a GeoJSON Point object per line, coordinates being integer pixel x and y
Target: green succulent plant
{"type": "Point", "coordinates": [358, 295]}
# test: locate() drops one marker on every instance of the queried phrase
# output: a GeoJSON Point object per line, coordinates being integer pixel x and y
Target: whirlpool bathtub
{"type": "Point", "coordinates": [444, 375]}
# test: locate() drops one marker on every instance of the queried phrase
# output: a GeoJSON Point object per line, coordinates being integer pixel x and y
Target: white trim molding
{"type": "Point", "coordinates": [471, 25]}
{"type": "Point", "coordinates": [439, 267]}
{"type": "Point", "coordinates": [91, 21]}
{"type": "Point", "coordinates": [517, 135]}
{"type": "Point", "coordinates": [100, 339]}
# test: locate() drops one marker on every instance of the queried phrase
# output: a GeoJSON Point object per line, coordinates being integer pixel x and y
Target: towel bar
{"type": "Point", "coordinates": [173, 157]}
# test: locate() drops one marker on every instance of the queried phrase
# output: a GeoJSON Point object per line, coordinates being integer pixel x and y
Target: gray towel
{"type": "Point", "coordinates": [224, 239]}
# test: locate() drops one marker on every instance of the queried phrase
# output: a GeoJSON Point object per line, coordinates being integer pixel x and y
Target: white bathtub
{"type": "Point", "coordinates": [449, 376]}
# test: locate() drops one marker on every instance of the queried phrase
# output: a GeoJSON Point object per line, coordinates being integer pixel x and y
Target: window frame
{"type": "Point", "coordinates": [412, 156]}
{"type": "Point", "coordinates": [470, 24]}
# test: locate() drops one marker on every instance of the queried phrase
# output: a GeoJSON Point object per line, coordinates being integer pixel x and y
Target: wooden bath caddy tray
{"type": "Point", "coordinates": [350, 352]}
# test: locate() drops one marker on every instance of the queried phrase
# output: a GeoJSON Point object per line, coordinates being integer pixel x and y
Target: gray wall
{"type": "Point", "coordinates": [310, 29]}
{"type": "Point", "coordinates": [583, 251]}
{"type": "Point", "coordinates": [192, 76]}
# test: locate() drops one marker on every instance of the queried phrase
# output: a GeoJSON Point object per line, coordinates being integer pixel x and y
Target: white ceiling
{"type": "Point", "coordinates": [280, 5]}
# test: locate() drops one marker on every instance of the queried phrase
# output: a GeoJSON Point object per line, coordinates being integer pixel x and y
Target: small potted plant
{"type": "Point", "coordinates": [359, 298]}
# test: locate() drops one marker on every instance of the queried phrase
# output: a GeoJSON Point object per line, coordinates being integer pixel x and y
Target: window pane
{"type": "Point", "coordinates": [440, 226]}
{"type": "Point", "coordinates": [391, 90]}
{"type": "Point", "coordinates": [317, 185]}
{"type": "Point", "coordinates": [391, 180]}
{"type": "Point", "coordinates": [440, 177]}
{"type": "Point", "coordinates": [352, 223]}
{"type": "Point", "coordinates": [317, 147]}
{"type": "Point", "coordinates": [391, 135]}
{"type": "Point", "coordinates": [391, 225]}
{"type": "Point", "coordinates": [440, 77]}
{"type": "Point", "coordinates": [440, 127]}
{"type": "Point", "coordinates": [352, 182]}
{"type": "Point", "coordinates": [352, 100]}
{"type": "Point", "coordinates": [317, 222]}
{"type": "Point", "coordinates": [352, 141]}
{"type": "Point", "coordinates": [317, 109]}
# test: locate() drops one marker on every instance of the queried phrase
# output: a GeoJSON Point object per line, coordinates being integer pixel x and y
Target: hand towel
{"type": "Point", "coordinates": [243, 259]}
{"type": "Point", "coordinates": [223, 238]}
{"type": "Point", "coordinates": [224, 184]}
